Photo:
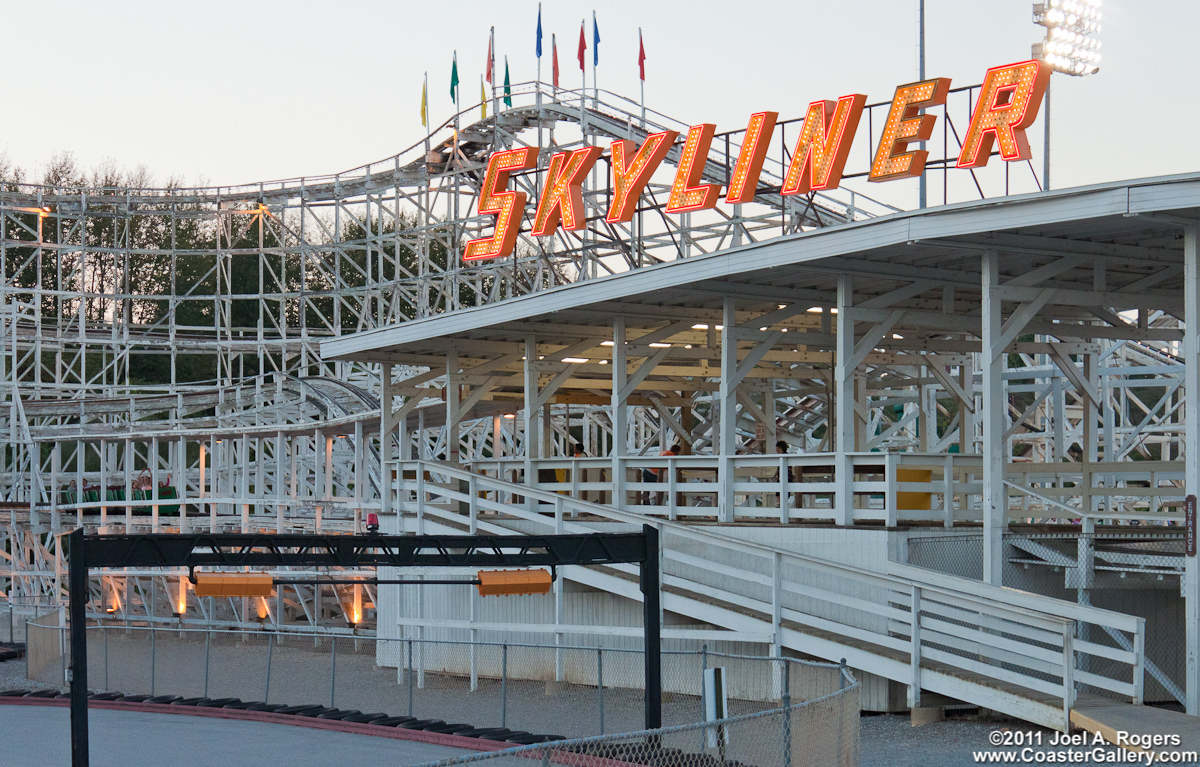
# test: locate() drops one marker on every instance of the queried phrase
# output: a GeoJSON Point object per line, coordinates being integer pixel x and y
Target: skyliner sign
{"type": "Point", "coordinates": [1008, 103]}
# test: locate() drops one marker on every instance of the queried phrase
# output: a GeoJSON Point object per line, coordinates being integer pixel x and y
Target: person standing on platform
{"type": "Point", "coordinates": [656, 475]}
{"type": "Point", "coordinates": [577, 452]}
{"type": "Point", "coordinates": [781, 448]}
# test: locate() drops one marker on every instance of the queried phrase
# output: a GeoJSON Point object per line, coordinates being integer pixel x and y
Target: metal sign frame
{"type": "Point", "coordinates": [238, 550]}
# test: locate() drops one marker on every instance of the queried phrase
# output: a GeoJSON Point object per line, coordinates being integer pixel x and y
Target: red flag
{"type": "Point", "coordinates": [582, 47]}
{"type": "Point", "coordinates": [554, 47]}
{"type": "Point", "coordinates": [641, 57]}
{"type": "Point", "coordinates": [487, 72]}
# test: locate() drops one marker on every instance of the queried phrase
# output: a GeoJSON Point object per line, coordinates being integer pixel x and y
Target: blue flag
{"type": "Point", "coordinates": [595, 41]}
{"type": "Point", "coordinates": [539, 32]}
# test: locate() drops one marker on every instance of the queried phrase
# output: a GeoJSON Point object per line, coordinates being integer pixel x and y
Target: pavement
{"type": "Point", "coordinates": [36, 736]}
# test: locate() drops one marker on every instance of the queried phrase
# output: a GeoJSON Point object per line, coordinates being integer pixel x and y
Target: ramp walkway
{"type": "Point", "coordinates": [1113, 718]}
{"type": "Point", "coordinates": [1010, 651]}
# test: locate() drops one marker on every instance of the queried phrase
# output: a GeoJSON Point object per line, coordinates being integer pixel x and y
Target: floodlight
{"type": "Point", "coordinates": [1071, 29]}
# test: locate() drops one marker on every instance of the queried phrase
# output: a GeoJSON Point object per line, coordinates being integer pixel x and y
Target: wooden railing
{"type": "Point", "coordinates": [885, 487]}
{"type": "Point", "coordinates": [930, 631]}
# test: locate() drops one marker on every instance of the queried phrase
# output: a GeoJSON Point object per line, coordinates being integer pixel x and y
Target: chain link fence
{"type": "Point", "coordinates": [823, 731]}
{"type": "Point", "coordinates": [46, 655]}
{"type": "Point", "coordinates": [1137, 573]}
{"type": "Point", "coordinates": [16, 610]}
{"type": "Point", "coordinates": [566, 691]}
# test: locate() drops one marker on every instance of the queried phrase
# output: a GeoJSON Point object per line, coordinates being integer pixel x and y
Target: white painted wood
{"type": "Point", "coordinates": [914, 663]}
{"type": "Point", "coordinates": [782, 588]}
{"type": "Point", "coordinates": [727, 435]}
{"type": "Point", "coordinates": [993, 360]}
{"type": "Point", "coordinates": [844, 402]}
{"type": "Point", "coordinates": [1191, 451]}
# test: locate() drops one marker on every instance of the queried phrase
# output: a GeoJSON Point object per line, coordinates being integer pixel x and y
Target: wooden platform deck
{"type": "Point", "coordinates": [1112, 717]}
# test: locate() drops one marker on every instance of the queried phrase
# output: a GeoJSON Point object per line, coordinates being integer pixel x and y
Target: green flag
{"type": "Point", "coordinates": [507, 85]}
{"type": "Point", "coordinates": [454, 80]}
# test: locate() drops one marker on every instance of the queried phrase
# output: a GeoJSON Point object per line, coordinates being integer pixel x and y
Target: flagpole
{"type": "Point", "coordinates": [595, 65]}
{"type": "Point", "coordinates": [642, 79]}
{"type": "Point", "coordinates": [583, 87]}
{"type": "Point", "coordinates": [553, 79]}
{"type": "Point", "coordinates": [492, 69]}
{"type": "Point", "coordinates": [538, 91]}
{"type": "Point", "coordinates": [422, 219]}
{"type": "Point", "coordinates": [539, 69]}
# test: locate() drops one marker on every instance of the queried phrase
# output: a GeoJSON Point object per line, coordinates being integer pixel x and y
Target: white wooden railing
{"type": "Point", "coordinates": [885, 487]}
{"type": "Point", "coordinates": [689, 486]}
{"type": "Point", "coordinates": [931, 631]}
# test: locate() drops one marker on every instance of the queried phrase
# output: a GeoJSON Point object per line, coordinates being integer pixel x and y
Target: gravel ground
{"type": "Point", "coordinates": [12, 677]}
{"type": "Point", "coordinates": [891, 741]}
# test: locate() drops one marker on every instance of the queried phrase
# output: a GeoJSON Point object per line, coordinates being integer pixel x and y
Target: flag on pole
{"type": "Point", "coordinates": [483, 98]}
{"type": "Point", "coordinates": [539, 32]}
{"type": "Point", "coordinates": [595, 41]}
{"type": "Point", "coordinates": [487, 69]}
{"type": "Point", "coordinates": [582, 46]}
{"type": "Point", "coordinates": [554, 55]}
{"type": "Point", "coordinates": [424, 104]}
{"type": "Point", "coordinates": [454, 79]}
{"type": "Point", "coordinates": [641, 57]}
{"type": "Point", "coordinates": [507, 85]}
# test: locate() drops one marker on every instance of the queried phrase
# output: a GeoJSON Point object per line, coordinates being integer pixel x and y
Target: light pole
{"type": "Point", "coordinates": [1071, 46]}
{"type": "Point", "coordinates": [921, 193]}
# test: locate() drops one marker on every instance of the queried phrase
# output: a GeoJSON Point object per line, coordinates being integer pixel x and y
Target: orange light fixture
{"type": "Point", "coordinates": [234, 585]}
{"type": "Point", "coordinates": [503, 583]}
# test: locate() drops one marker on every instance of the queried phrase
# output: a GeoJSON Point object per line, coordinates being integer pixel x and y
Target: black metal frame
{"type": "Point", "coordinates": [236, 550]}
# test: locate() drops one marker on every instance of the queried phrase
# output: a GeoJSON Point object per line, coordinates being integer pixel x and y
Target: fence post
{"type": "Point", "coordinates": [270, 647]}
{"type": "Point", "coordinates": [842, 674]}
{"type": "Point", "coordinates": [948, 495]}
{"type": "Point", "coordinates": [786, 700]}
{"type": "Point", "coordinates": [409, 674]}
{"type": "Point", "coordinates": [153, 637]}
{"type": "Point", "coordinates": [703, 702]}
{"type": "Point", "coordinates": [332, 670]}
{"type": "Point", "coordinates": [600, 684]}
{"type": "Point", "coordinates": [207, 641]}
{"type": "Point", "coordinates": [1068, 634]}
{"type": "Point", "coordinates": [504, 685]}
{"type": "Point", "coordinates": [105, 630]}
{"type": "Point", "coordinates": [914, 657]}
{"type": "Point", "coordinates": [473, 503]}
{"type": "Point", "coordinates": [1139, 661]}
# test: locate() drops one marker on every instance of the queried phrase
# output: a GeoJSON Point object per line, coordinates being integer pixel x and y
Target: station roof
{"type": "Point", "coordinates": [923, 261]}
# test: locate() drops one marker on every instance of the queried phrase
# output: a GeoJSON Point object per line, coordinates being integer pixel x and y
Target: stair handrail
{"type": "Point", "coordinates": [900, 576]}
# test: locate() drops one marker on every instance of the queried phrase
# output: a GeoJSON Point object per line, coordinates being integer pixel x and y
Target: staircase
{"type": "Point", "coordinates": [1006, 650]}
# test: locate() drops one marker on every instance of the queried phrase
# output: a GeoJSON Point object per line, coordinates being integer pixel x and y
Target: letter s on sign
{"type": "Point", "coordinates": [508, 207]}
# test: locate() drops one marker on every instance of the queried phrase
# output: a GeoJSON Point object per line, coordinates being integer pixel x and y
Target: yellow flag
{"type": "Point", "coordinates": [424, 101]}
{"type": "Point", "coordinates": [483, 98]}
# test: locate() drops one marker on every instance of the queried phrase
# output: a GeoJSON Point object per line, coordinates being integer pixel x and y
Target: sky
{"type": "Point", "coordinates": [225, 92]}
